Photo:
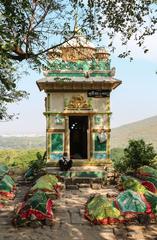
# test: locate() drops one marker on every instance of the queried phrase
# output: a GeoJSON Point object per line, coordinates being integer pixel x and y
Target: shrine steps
{"type": "Point", "coordinates": [80, 176]}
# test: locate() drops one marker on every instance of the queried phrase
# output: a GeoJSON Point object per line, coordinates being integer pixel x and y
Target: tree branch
{"type": "Point", "coordinates": [21, 55]}
{"type": "Point", "coordinates": [42, 17]}
{"type": "Point", "coordinates": [55, 46]}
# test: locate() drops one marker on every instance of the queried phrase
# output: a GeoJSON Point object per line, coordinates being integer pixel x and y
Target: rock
{"type": "Point", "coordinates": [110, 174]}
{"type": "Point", "coordinates": [120, 233]}
{"type": "Point", "coordinates": [96, 186]}
{"type": "Point", "coordinates": [84, 185]}
{"type": "Point", "coordinates": [112, 195]}
{"type": "Point", "coordinates": [76, 218]}
{"type": "Point", "coordinates": [72, 187]}
{"type": "Point", "coordinates": [49, 222]}
{"type": "Point", "coordinates": [108, 235]}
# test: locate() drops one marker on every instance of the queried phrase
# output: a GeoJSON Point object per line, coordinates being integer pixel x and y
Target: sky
{"type": "Point", "coordinates": [135, 99]}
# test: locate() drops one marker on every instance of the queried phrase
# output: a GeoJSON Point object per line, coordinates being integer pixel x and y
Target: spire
{"type": "Point", "coordinates": [76, 29]}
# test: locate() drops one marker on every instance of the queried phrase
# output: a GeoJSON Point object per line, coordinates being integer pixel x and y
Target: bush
{"type": "Point", "coordinates": [38, 163]}
{"type": "Point", "coordinates": [35, 166]}
{"type": "Point", "coordinates": [117, 155]}
{"type": "Point", "coordinates": [137, 154]}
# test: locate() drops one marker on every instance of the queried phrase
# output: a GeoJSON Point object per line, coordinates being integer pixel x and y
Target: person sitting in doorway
{"type": "Point", "coordinates": [64, 163]}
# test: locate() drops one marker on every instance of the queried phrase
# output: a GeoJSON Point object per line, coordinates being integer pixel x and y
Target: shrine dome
{"type": "Point", "coordinates": [78, 41]}
{"type": "Point", "coordinates": [78, 48]}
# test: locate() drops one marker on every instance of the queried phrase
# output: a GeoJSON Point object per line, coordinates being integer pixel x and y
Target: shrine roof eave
{"type": "Point", "coordinates": [47, 84]}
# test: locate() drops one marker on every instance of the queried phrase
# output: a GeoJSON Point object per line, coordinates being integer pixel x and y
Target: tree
{"type": "Point", "coordinates": [133, 19]}
{"type": "Point", "coordinates": [137, 154]}
{"type": "Point", "coordinates": [8, 89]}
{"type": "Point", "coordinates": [25, 29]}
{"type": "Point", "coordinates": [29, 28]}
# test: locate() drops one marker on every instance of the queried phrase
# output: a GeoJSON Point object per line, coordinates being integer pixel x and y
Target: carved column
{"type": "Point", "coordinates": [48, 110]}
{"type": "Point", "coordinates": [48, 123]}
{"type": "Point", "coordinates": [91, 137]}
{"type": "Point", "coordinates": [108, 113]}
{"type": "Point", "coordinates": [66, 136]}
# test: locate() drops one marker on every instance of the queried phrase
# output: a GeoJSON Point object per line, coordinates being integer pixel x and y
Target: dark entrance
{"type": "Point", "coordinates": [78, 136]}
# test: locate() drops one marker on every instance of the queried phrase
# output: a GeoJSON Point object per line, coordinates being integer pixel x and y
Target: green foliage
{"type": "Point", "coordinates": [35, 166]}
{"type": "Point", "coordinates": [132, 19]}
{"type": "Point", "coordinates": [117, 155]}
{"type": "Point", "coordinates": [8, 87]}
{"type": "Point", "coordinates": [24, 29]}
{"type": "Point", "coordinates": [19, 158]}
{"type": "Point", "coordinates": [38, 163]}
{"type": "Point", "coordinates": [137, 154]}
{"type": "Point", "coordinates": [154, 163]}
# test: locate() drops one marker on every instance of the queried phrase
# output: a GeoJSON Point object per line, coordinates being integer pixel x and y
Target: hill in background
{"type": "Point", "coordinates": [24, 142]}
{"type": "Point", "coordinates": [145, 129]}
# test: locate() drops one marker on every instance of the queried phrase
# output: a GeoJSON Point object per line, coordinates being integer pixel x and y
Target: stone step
{"type": "Point", "coordinates": [86, 180]}
{"type": "Point", "coordinates": [76, 169]}
{"type": "Point", "coordinates": [81, 176]}
{"type": "Point", "coordinates": [93, 172]}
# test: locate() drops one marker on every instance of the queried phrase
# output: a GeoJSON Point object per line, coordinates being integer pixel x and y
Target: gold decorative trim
{"type": "Point", "coordinates": [79, 103]}
{"type": "Point", "coordinates": [108, 147]}
{"type": "Point", "coordinates": [69, 112]}
{"type": "Point", "coordinates": [55, 130]}
{"type": "Point", "coordinates": [100, 129]}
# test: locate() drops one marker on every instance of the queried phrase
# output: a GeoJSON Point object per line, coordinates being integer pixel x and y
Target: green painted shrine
{"type": "Point", "coordinates": [78, 81]}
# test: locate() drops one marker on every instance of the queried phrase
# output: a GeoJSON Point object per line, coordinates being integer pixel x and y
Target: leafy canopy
{"type": "Point", "coordinates": [133, 19]}
{"type": "Point", "coordinates": [29, 28]}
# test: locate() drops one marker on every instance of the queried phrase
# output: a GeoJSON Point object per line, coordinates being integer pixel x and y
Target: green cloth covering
{"type": "Point", "coordinates": [130, 201]}
{"type": "Point", "coordinates": [6, 184]}
{"type": "Point", "coordinates": [46, 182]}
{"type": "Point", "coordinates": [29, 173]}
{"type": "Point", "coordinates": [132, 184]}
{"type": "Point", "coordinates": [152, 200]}
{"type": "Point", "coordinates": [3, 170]}
{"type": "Point", "coordinates": [37, 201]}
{"type": "Point", "coordinates": [147, 171]}
{"type": "Point", "coordinates": [152, 180]}
{"type": "Point", "coordinates": [99, 208]}
{"type": "Point", "coordinates": [37, 208]}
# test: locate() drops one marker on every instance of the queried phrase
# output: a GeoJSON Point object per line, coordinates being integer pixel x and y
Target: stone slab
{"type": "Point", "coordinates": [76, 218]}
{"type": "Point", "coordinates": [84, 185]}
{"type": "Point", "coordinates": [72, 187]}
{"type": "Point", "coordinates": [96, 186]}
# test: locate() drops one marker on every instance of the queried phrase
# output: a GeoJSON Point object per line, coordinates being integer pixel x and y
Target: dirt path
{"type": "Point", "coordinates": [69, 223]}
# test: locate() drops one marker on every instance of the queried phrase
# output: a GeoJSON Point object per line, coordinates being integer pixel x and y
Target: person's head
{"type": "Point", "coordinates": [65, 154]}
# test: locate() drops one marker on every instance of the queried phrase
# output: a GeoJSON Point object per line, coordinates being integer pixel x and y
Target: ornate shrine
{"type": "Point", "coordinates": [78, 82]}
